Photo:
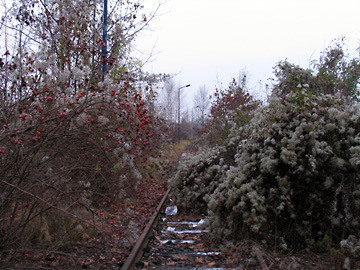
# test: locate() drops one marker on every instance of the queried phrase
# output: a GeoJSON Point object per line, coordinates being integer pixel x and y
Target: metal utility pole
{"type": "Point", "coordinates": [104, 50]}
{"type": "Point", "coordinates": [179, 110]}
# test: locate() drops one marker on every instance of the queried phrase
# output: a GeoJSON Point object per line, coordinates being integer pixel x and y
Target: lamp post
{"type": "Point", "coordinates": [179, 110]}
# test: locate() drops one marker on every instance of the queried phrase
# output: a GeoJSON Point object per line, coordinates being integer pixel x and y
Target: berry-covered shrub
{"type": "Point", "coordinates": [296, 174]}
{"type": "Point", "coordinates": [72, 138]}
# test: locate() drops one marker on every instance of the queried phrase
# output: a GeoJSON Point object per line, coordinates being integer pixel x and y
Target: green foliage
{"type": "Point", "coordinates": [291, 76]}
{"type": "Point", "coordinates": [324, 244]}
{"type": "Point", "coordinates": [116, 167]}
{"type": "Point", "coordinates": [337, 73]}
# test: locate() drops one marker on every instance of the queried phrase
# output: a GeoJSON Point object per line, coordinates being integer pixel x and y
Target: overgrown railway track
{"type": "Point", "coordinates": [179, 241]}
{"type": "Point", "coordinates": [173, 242]}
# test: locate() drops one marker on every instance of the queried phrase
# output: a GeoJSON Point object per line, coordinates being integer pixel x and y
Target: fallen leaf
{"type": "Point", "coordinates": [54, 264]}
{"type": "Point", "coordinates": [158, 238]}
{"type": "Point", "coordinates": [200, 260]}
{"type": "Point", "coordinates": [181, 257]}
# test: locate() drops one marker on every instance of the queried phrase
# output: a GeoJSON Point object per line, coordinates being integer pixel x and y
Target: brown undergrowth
{"type": "Point", "coordinates": [116, 226]}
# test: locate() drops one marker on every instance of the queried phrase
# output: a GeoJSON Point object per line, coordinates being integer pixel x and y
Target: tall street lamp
{"type": "Point", "coordinates": [179, 110]}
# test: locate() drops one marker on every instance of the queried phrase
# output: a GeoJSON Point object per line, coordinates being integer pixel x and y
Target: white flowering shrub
{"type": "Point", "coordinates": [351, 245]}
{"type": "Point", "coordinates": [199, 175]}
{"type": "Point", "coordinates": [295, 178]}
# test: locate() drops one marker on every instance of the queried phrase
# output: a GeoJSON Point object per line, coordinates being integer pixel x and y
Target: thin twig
{"type": "Point", "coordinates": [51, 205]}
{"type": "Point", "coordinates": [260, 258]}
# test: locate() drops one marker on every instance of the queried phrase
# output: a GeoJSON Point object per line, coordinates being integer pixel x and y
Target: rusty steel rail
{"type": "Point", "coordinates": [137, 251]}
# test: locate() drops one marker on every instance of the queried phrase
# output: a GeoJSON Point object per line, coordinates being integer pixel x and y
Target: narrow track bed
{"type": "Point", "coordinates": [180, 242]}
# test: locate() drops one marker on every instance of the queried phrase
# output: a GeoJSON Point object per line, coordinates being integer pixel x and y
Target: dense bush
{"type": "Point", "coordinates": [199, 175]}
{"type": "Point", "coordinates": [70, 140]}
{"type": "Point", "coordinates": [292, 179]}
{"type": "Point", "coordinates": [297, 174]}
{"type": "Point", "coordinates": [295, 178]}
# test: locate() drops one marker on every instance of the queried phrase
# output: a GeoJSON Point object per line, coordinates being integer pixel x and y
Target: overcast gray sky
{"type": "Point", "coordinates": [207, 41]}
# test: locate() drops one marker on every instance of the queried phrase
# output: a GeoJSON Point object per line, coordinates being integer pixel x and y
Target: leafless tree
{"type": "Point", "coordinates": [201, 103]}
{"type": "Point", "coordinates": [168, 101]}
